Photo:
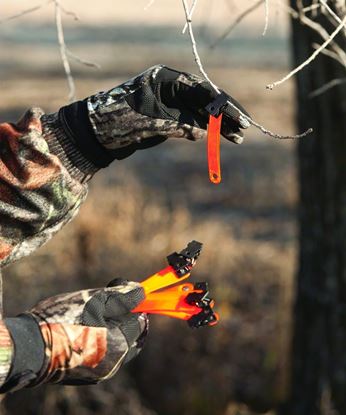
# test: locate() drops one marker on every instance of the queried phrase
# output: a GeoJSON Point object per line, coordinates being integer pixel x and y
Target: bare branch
{"type": "Point", "coordinates": [332, 13]}
{"type": "Point", "coordinates": [235, 23]}
{"type": "Point", "coordinates": [271, 133]}
{"type": "Point", "coordinates": [63, 51]}
{"type": "Point", "coordinates": [319, 29]}
{"type": "Point", "coordinates": [24, 12]}
{"type": "Point", "coordinates": [151, 2]}
{"type": "Point", "coordinates": [82, 61]}
{"type": "Point", "coordinates": [311, 58]}
{"type": "Point", "coordinates": [314, 7]}
{"type": "Point", "coordinates": [244, 119]}
{"type": "Point", "coordinates": [314, 10]}
{"type": "Point", "coordinates": [266, 6]}
{"type": "Point", "coordinates": [327, 52]}
{"type": "Point", "coordinates": [69, 12]}
{"type": "Point", "coordinates": [194, 47]}
{"type": "Point", "coordinates": [326, 87]}
{"type": "Point", "coordinates": [194, 4]}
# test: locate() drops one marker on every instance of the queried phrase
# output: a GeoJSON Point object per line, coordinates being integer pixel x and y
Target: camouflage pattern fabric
{"type": "Point", "coordinates": [6, 352]}
{"type": "Point", "coordinates": [160, 102]}
{"type": "Point", "coordinates": [43, 182]}
{"type": "Point", "coordinates": [37, 197]}
{"type": "Point", "coordinates": [117, 125]}
{"type": "Point", "coordinates": [87, 333]}
{"type": "Point", "coordinates": [37, 194]}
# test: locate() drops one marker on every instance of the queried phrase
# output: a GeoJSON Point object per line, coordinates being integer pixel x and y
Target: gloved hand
{"type": "Point", "coordinates": [158, 104]}
{"type": "Point", "coordinates": [77, 338]}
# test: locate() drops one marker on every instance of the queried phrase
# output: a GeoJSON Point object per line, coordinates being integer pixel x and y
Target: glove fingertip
{"type": "Point", "coordinates": [238, 113]}
{"type": "Point", "coordinates": [117, 281]}
{"type": "Point", "coordinates": [236, 138]}
{"type": "Point", "coordinates": [129, 294]}
{"type": "Point", "coordinates": [244, 122]}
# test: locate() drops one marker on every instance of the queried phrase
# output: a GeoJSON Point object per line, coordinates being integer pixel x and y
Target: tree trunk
{"type": "Point", "coordinates": [318, 379]}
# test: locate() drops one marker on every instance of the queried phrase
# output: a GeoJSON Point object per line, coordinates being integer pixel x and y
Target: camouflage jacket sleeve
{"type": "Point", "coordinates": [42, 185]}
{"type": "Point", "coordinates": [6, 352]}
{"type": "Point", "coordinates": [39, 191]}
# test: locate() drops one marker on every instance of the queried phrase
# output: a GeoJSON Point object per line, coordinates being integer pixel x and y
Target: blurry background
{"type": "Point", "coordinates": [143, 208]}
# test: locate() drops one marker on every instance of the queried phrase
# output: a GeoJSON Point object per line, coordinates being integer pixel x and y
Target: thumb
{"type": "Point", "coordinates": [122, 298]}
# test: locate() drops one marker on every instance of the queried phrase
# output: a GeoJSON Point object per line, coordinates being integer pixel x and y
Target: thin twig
{"type": "Point", "coordinates": [69, 12]}
{"type": "Point", "coordinates": [332, 13]}
{"type": "Point", "coordinates": [314, 11]}
{"type": "Point", "coordinates": [194, 47]}
{"type": "Point", "coordinates": [243, 118]}
{"type": "Point", "coordinates": [26, 11]}
{"type": "Point", "coordinates": [311, 8]}
{"type": "Point", "coordinates": [311, 58]}
{"type": "Point", "coordinates": [241, 17]}
{"type": "Point", "coordinates": [326, 87]}
{"type": "Point", "coordinates": [194, 4]}
{"type": "Point", "coordinates": [63, 51]}
{"type": "Point", "coordinates": [319, 29]}
{"type": "Point", "coordinates": [331, 54]}
{"type": "Point", "coordinates": [82, 61]}
{"type": "Point", "coordinates": [266, 7]}
{"type": "Point", "coordinates": [151, 2]}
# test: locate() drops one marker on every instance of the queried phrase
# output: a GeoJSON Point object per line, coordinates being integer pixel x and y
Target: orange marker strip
{"type": "Point", "coordinates": [171, 303]}
{"type": "Point", "coordinates": [170, 300]}
{"type": "Point", "coordinates": [162, 279]}
{"type": "Point", "coordinates": [214, 128]}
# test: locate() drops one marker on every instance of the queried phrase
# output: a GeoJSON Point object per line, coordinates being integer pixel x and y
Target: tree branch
{"type": "Point", "coordinates": [266, 6]}
{"type": "Point", "coordinates": [82, 61]}
{"type": "Point", "coordinates": [330, 53]}
{"type": "Point", "coordinates": [332, 13]}
{"type": "Point", "coordinates": [244, 119]}
{"type": "Point", "coordinates": [69, 12]}
{"type": "Point", "coordinates": [319, 29]}
{"type": "Point", "coordinates": [235, 23]}
{"type": "Point", "coordinates": [194, 4]}
{"type": "Point", "coordinates": [150, 3]}
{"type": "Point", "coordinates": [326, 87]}
{"type": "Point", "coordinates": [311, 58]}
{"type": "Point", "coordinates": [63, 52]}
{"type": "Point", "coordinates": [26, 11]}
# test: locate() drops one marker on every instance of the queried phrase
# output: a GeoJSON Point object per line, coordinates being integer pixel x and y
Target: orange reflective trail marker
{"type": "Point", "coordinates": [185, 301]}
{"type": "Point", "coordinates": [214, 130]}
{"type": "Point", "coordinates": [213, 145]}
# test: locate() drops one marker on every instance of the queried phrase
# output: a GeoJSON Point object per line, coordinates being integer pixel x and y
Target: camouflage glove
{"type": "Point", "coordinates": [77, 338]}
{"type": "Point", "coordinates": [158, 104]}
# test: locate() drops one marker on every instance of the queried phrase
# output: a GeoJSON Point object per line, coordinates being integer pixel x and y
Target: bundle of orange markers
{"type": "Point", "coordinates": [184, 301]}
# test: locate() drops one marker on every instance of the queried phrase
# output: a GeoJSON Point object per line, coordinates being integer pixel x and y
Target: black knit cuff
{"type": "Point", "coordinates": [71, 137]}
{"type": "Point", "coordinates": [64, 146]}
{"type": "Point", "coordinates": [75, 120]}
{"type": "Point", "coordinates": [29, 352]}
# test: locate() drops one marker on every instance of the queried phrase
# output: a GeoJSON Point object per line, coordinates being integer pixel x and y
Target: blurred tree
{"type": "Point", "coordinates": [318, 381]}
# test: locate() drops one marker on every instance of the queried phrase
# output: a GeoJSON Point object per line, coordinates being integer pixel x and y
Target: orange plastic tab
{"type": "Point", "coordinates": [183, 315]}
{"type": "Point", "coordinates": [213, 144]}
{"type": "Point", "coordinates": [162, 279]}
{"type": "Point", "coordinates": [170, 302]}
